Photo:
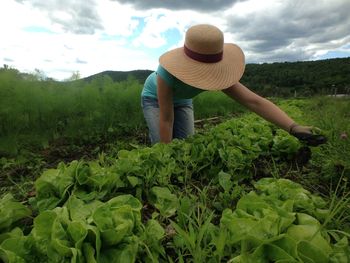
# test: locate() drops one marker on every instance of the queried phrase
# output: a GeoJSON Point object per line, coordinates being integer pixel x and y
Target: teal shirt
{"type": "Point", "coordinates": [182, 92]}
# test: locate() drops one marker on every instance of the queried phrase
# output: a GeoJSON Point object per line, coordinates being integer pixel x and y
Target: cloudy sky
{"type": "Point", "coordinates": [60, 37]}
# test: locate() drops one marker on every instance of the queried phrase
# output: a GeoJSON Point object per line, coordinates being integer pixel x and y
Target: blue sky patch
{"type": "Point", "coordinates": [80, 61]}
{"type": "Point", "coordinates": [172, 37]}
{"type": "Point", "coordinates": [140, 26]}
{"type": "Point", "coordinates": [8, 60]}
{"type": "Point", "coordinates": [336, 54]}
{"type": "Point", "coordinates": [342, 52]}
{"type": "Point", "coordinates": [106, 37]}
{"type": "Point", "coordinates": [37, 29]}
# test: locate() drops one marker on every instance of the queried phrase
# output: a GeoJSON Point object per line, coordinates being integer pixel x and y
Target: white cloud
{"type": "Point", "coordinates": [198, 5]}
{"type": "Point", "coordinates": [61, 37]}
{"type": "Point", "coordinates": [60, 53]}
{"type": "Point", "coordinates": [15, 16]}
{"type": "Point", "coordinates": [152, 35]}
{"type": "Point", "coordinates": [159, 21]}
{"type": "Point", "coordinates": [116, 18]}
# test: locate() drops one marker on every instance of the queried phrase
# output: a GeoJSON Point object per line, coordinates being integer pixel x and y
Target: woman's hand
{"type": "Point", "coordinates": [296, 128]}
{"type": "Point", "coordinates": [306, 134]}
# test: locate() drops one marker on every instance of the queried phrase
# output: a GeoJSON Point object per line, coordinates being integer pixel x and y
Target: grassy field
{"type": "Point", "coordinates": [240, 190]}
{"type": "Point", "coordinates": [35, 114]}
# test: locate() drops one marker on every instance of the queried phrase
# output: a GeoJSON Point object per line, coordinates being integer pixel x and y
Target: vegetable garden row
{"type": "Point", "coordinates": [194, 200]}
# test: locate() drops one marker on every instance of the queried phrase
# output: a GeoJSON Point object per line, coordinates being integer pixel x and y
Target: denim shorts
{"type": "Point", "coordinates": [183, 119]}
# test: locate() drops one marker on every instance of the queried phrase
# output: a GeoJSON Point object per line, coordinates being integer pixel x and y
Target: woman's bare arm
{"type": "Point", "coordinates": [261, 106]}
{"type": "Point", "coordinates": [166, 111]}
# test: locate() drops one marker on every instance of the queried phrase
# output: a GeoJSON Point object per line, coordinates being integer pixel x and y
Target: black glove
{"type": "Point", "coordinates": [305, 134]}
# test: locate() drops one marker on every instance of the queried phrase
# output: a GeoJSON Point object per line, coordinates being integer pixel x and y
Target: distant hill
{"type": "Point", "coordinates": [117, 76]}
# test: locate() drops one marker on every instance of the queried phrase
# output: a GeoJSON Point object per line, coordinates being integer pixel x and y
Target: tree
{"type": "Point", "coordinates": [39, 74]}
{"type": "Point", "coordinates": [75, 76]}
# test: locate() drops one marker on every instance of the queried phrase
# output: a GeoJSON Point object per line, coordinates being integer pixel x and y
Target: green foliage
{"type": "Point", "coordinates": [209, 104]}
{"type": "Point", "coordinates": [35, 112]}
{"type": "Point", "coordinates": [331, 115]}
{"type": "Point", "coordinates": [230, 147]}
{"type": "Point", "coordinates": [276, 224]}
{"type": "Point", "coordinates": [190, 201]}
{"type": "Point", "coordinates": [77, 202]}
{"type": "Point", "coordinates": [299, 78]}
{"type": "Point", "coordinates": [86, 232]}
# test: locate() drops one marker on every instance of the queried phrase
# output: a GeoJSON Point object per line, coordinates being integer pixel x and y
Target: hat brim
{"type": "Point", "coordinates": [207, 76]}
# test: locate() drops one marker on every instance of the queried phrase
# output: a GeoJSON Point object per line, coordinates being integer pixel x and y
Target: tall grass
{"type": "Point", "coordinates": [34, 112]}
{"type": "Point", "coordinates": [332, 115]}
{"type": "Point", "coordinates": [215, 103]}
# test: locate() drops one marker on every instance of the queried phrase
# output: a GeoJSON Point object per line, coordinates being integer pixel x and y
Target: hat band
{"type": "Point", "coordinates": [206, 58]}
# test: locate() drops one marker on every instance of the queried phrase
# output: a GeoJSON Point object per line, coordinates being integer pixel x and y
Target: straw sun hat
{"type": "Point", "coordinates": [205, 61]}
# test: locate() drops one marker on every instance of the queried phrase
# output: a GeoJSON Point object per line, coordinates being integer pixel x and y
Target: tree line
{"type": "Point", "coordinates": [307, 78]}
{"type": "Point", "coordinates": [279, 79]}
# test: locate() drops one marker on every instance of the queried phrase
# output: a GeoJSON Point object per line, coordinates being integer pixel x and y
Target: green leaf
{"type": "Point", "coordinates": [125, 253]}
{"type": "Point", "coordinates": [11, 211]}
{"type": "Point", "coordinates": [43, 229]}
{"type": "Point", "coordinates": [53, 185]}
{"type": "Point", "coordinates": [89, 253]}
{"type": "Point", "coordinates": [151, 239]}
{"type": "Point", "coordinates": [310, 234]}
{"type": "Point", "coordinates": [341, 251]}
{"type": "Point", "coordinates": [225, 180]}
{"type": "Point", "coordinates": [166, 202]}
{"type": "Point", "coordinates": [134, 181]}
{"type": "Point", "coordinates": [16, 232]}
{"type": "Point", "coordinates": [271, 253]}
{"type": "Point", "coordinates": [118, 218]}
{"type": "Point", "coordinates": [154, 230]}
{"type": "Point", "coordinates": [308, 252]}
{"type": "Point", "coordinates": [19, 249]}
{"type": "Point", "coordinates": [79, 210]}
